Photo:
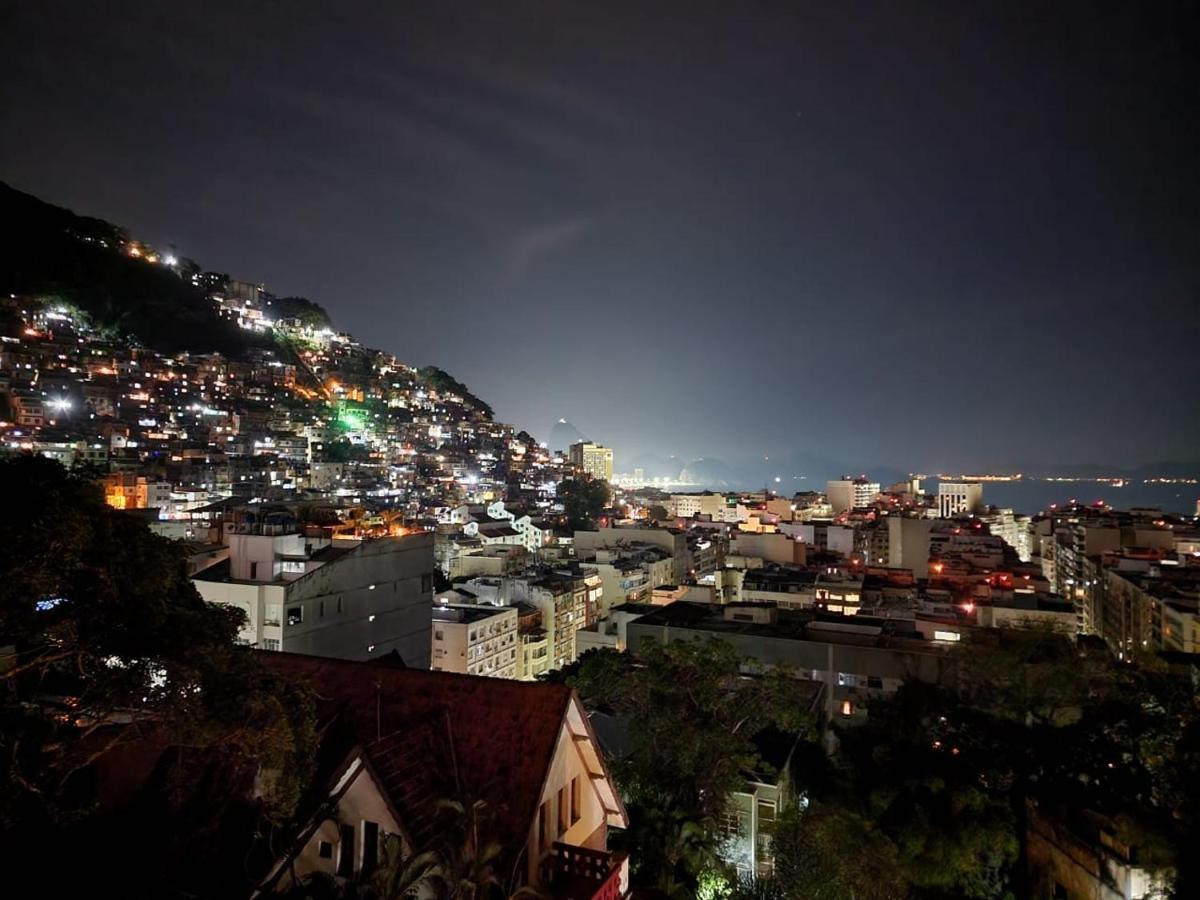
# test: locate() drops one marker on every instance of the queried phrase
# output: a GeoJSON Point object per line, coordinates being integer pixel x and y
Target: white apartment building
{"type": "Point", "coordinates": [533, 535]}
{"type": "Point", "coordinates": [627, 574]}
{"type": "Point", "coordinates": [1014, 529]}
{"type": "Point", "coordinates": [688, 505]}
{"type": "Point", "coordinates": [475, 640]}
{"type": "Point", "coordinates": [846, 494]}
{"type": "Point", "coordinates": [562, 599]}
{"type": "Point", "coordinates": [593, 459]}
{"type": "Point", "coordinates": [352, 600]}
{"type": "Point", "coordinates": [955, 497]}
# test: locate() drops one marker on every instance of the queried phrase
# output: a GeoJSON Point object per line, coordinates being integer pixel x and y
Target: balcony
{"type": "Point", "coordinates": [577, 873]}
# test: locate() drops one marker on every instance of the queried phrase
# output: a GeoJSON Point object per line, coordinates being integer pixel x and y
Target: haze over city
{"type": "Point", "coordinates": [958, 238]}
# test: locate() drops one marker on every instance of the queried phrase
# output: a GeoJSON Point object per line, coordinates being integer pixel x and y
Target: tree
{"type": "Point", "coordinates": [1031, 676]}
{"type": "Point", "coordinates": [442, 382]}
{"type": "Point", "coordinates": [398, 876]}
{"type": "Point", "coordinates": [110, 643]}
{"type": "Point", "coordinates": [583, 500]}
{"type": "Point", "coordinates": [827, 853]}
{"type": "Point", "coordinates": [309, 312]}
{"type": "Point", "coordinates": [692, 717]}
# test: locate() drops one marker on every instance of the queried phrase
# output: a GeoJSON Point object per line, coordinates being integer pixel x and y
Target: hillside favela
{"type": "Point", "coordinates": [804, 571]}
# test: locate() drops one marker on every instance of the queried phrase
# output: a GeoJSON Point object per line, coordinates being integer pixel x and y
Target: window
{"type": "Point", "coordinates": [731, 823]}
{"type": "Point", "coordinates": [542, 825]}
{"type": "Point", "coordinates": [321, 609]}
{"type": "Point", "coordinates": [345, 864]}
{"type": "Point", "coordinates": [370, 849]}
{"type": "Point", "coordinates": [437, 635]}
{"type": "Point", "coordinates": [874, 681]}
{"type": "Point", "coordinates": [847, 708]}
{"type": "Point", "coordinates": [766, 813]}
{"type": "Point", "coordinates": [339, 604]}
{"type": "Point", "coordinates": [295, 615]}
{"type": "Point", "coordinates": [563, 822]}
{"type": "Point", "coordinates": [426, 583]}
{"type": "Point", "coordinates": [325, 850]}
{"type": "Point", "coordinates": [253, 571]}
{"type": "Point", "coordinates": [766, 830]}
{"type": "Point", "coordinates": [576, 800]}
{"type": "Point", "coordinates": [270, 644]}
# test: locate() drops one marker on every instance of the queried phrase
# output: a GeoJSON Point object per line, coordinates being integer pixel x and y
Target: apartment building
{"type": "Point", "coordinates": [475, 640]}
{"type": "Point", "coordinates": [306, 594]}
{"type": "Point", "coordinates": [592, 459]}
{"type": "Point", "coordinates": [955, 498]}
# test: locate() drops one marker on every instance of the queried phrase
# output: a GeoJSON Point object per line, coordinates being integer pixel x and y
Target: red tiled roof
{"type": "Point", "coordinates": [434, 735]}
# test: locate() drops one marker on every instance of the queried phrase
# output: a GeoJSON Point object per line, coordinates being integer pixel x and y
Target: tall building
{"type": "Point", "coordinates": [475, 640]}
{"type": "Point", "coordinates": [847, 493]}
{"type": "Point", "coordinates": [955, 497]}
{"type": "Point", "coordinates": [1014, 529]}
{"type": "Point", "coordinates": [354, 600]}
{"type": "Point", "coordinates": [593, 459]}
{"type": "Point", "coordinates": [907, 544]}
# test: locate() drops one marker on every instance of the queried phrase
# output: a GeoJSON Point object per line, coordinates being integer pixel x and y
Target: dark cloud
{"type": "Point", "coordinates": [531, 244]}
{"type": "Point", "coordinates": [931, 235]}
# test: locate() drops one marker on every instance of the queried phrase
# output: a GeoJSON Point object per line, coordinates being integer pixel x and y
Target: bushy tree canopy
{"type": "Point", "coordinates": [108, 642]}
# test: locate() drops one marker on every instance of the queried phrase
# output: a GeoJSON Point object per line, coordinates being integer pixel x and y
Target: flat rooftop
{"type": "Point", "coordinates": [465, 614]}
{"type": "Point", "coordinates": [796, 625]}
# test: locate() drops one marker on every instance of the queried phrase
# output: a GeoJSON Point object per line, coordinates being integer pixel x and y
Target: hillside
{"type": "Point", "coordinates": [130, 294]}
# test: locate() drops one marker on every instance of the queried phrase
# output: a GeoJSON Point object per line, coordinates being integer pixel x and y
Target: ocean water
{"type": "Point", "coordinates": [1031, 496]}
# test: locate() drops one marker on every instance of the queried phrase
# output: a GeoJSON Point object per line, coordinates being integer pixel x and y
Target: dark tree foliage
{"type": "Point", "coordinates": [583, 500]}
{"type": "Point", "coordinates": [949, 827]}
{"type": "Point", "coordinates": [444, 382]}
{"type": "Point", "coordinates": [928, 797]}
{"type": "Point", "coordinates": [108, 645]}
{"type": "Point", "coordinates": [692, 718]}
{"type": "Point", "coordinates": [814, 859]}
{"type": "Point", "coordinates": [944, 776]}
{"type": "Point", "coordinates": [309, 312]}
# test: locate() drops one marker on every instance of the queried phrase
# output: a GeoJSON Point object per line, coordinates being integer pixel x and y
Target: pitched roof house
{"type": "Point", "coordinates": [398, 742]}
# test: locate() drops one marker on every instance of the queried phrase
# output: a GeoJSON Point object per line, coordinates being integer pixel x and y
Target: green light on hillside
{"type": "Point", "coordinates": [351, 420]}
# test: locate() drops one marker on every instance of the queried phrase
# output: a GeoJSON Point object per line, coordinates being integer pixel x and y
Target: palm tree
{"type": "Point", "coordinates": [397, 877]}
{"type": "Point", "coordinates": [403, 876]}
{"type": "Point", "coordinates": [464, 862]}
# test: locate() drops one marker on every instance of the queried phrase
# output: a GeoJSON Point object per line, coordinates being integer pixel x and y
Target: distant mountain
{"type": "Point", "coordinates": [709, 472]}
{"type": "Point", "coordinates": [563, 435]}
{"type": "Point", "coordinates": [53, 253]}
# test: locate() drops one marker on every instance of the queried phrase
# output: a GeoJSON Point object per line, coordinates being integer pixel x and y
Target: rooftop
{"type": "Point", "coordinates": [797, 625]}
{"type": "Point", "coordinates": [467, 613]}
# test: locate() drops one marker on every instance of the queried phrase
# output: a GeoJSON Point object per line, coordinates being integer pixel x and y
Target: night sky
{"type": "Point", "coordinates": [926, 235]}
